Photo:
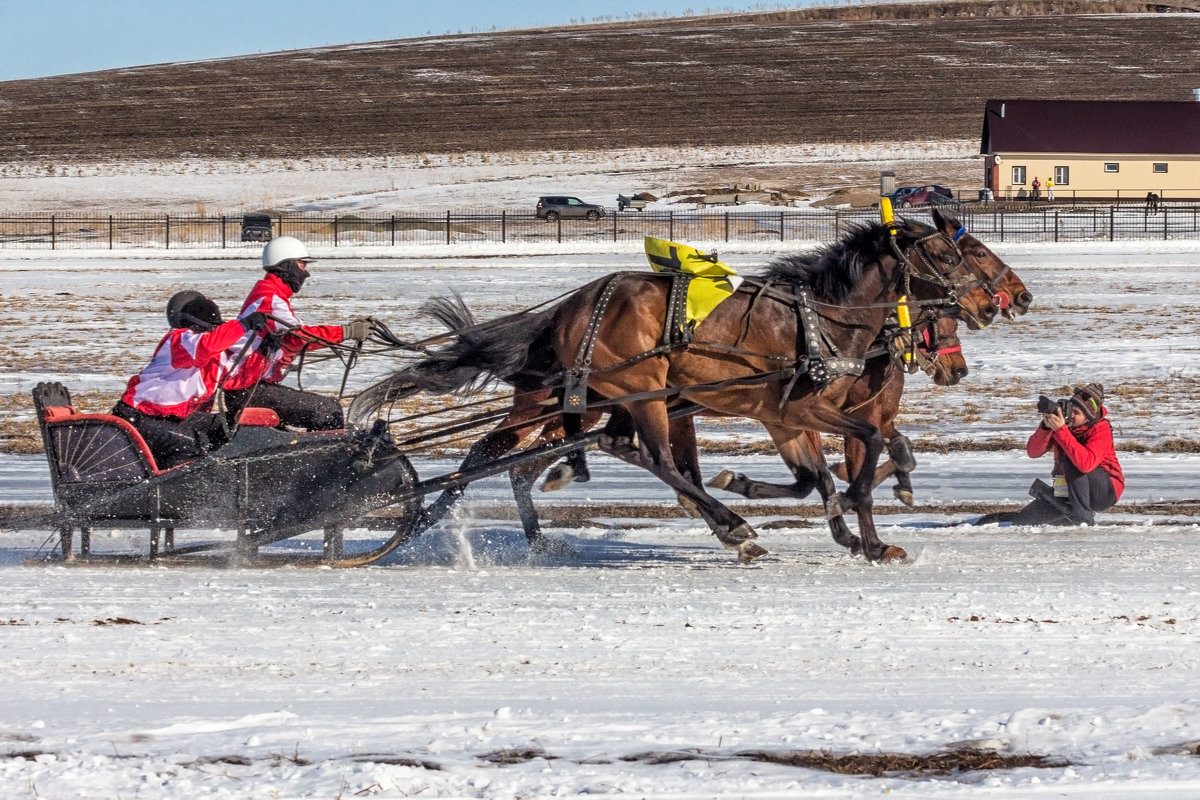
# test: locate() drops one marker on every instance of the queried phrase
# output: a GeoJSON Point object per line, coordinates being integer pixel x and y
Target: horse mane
{"type": "Point", "coordinates": [834, 270]}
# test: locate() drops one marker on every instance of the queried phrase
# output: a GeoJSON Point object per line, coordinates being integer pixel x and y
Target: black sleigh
{"type": "Point", "coordinates": [267, 485]}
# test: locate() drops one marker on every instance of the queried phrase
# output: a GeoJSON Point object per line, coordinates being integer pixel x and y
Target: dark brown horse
{"type": "Point", "coordinates": [752, 356]}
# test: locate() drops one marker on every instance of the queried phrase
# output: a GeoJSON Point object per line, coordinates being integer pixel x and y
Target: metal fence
{"type": "Point", "coordinates": [993, 222]}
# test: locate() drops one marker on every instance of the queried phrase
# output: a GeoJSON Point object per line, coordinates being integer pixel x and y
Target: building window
{"type": "Point", "coordinates": [1160, 168]}
{"type": "Point", "coordinates": [1018, 176]}
{"type": "Point", "coordinates": [1062, 176]}
{"type": "Point", "coordinates": [1112, 166]}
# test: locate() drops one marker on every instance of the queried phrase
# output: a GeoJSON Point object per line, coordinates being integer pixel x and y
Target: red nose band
{"type": "Point", "coordinates": [1001, 300]}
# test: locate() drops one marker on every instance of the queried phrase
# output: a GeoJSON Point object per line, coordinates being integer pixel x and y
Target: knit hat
{"type": "Point", "coordinates": [1090, 400]}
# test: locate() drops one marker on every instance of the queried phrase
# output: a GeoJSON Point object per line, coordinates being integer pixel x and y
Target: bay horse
{"type": "Point", "coordinates": [752, 356]}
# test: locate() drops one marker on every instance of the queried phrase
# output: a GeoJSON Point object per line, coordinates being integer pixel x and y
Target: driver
{"type": "Point", "coordinates": [260, 365]}
{"type": "Point", "coordinates": [169, 401]}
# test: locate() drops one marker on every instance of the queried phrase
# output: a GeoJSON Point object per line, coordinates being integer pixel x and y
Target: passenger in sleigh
{"type": "Point", "coordinates": [170, 401]}
{"type": "Point", "coordinates": [261, 359]}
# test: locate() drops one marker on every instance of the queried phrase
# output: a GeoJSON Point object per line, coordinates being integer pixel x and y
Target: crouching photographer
{"type": "Point", "coordinates": [1087, 475]}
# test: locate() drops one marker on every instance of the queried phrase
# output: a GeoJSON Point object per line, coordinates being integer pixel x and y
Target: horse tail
{"type": "Point", "coordinates": [480, 352]}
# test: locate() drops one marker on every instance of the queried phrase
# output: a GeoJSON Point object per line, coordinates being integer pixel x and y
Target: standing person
{"type": "Point", "coordinates": [1049, 190]}
{"type": "Point", "coordinates": [1087, 475]}
{"type": "Point", "coordinates": [1036, 194]}
{"type": "Point", "coordinates": [261, 358]}
{"type": "Point", "coordinates": [169, 402]}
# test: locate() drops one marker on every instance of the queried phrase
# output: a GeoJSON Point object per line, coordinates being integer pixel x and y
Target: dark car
{"type": "Point", "coordinates": [256, 228]}
{"type": "Point", "coordinates": [931, 194]}
{"type": "Point", "coordinates": [554, 207]}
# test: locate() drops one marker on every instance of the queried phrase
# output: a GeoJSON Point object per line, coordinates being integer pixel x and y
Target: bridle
{"type": "Point", "coordinates": [946, 277]}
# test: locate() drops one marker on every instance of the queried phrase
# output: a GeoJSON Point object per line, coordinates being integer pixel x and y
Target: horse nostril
{"type": "Point", "coordinates": [1025, 299]}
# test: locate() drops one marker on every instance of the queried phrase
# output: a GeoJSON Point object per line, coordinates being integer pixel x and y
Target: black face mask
{"type": "Point", "coordinates": [291, 273]}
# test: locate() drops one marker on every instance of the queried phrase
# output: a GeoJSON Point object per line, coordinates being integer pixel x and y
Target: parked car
{"type": "Point", "coordinates": [931, 194]}
{"type": "Point", "coordinates": [256, 228]}
{"type": "Point", "coordinates": [554, 207]}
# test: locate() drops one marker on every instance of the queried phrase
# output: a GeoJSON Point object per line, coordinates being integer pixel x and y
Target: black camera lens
{"type": "Point", "coordinates": [1045, 405]}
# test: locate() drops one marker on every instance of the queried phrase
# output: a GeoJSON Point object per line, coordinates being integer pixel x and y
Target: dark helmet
{"type": "Point", "coordinates": [190, 309]}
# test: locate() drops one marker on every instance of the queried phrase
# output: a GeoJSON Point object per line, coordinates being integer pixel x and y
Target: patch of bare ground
{"type": "Point", "coordinates": [860, 73]}
{"type": "Point", "coordinates": [899, 765]}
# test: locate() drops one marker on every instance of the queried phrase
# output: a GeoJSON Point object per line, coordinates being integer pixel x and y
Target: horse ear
{"type": "Point", "coordinates": [946, 224]}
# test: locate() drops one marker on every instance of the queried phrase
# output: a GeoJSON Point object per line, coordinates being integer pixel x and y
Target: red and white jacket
{"type": "Point", "coordinates": [273, 296]}
{"type": "Point", "coordinates": [184, 372]}
{"type": "Point", "coordinates": [1087, 447]}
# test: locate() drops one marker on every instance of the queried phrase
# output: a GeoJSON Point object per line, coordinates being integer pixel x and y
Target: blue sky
{"type": "Point", "coordinates": [55, 37]}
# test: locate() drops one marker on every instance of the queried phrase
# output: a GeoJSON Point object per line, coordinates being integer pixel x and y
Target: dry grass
{"type": "Point", "coordinates": [849, 74]}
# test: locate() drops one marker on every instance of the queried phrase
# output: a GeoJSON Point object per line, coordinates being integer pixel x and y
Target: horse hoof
{"type": "Point", "coordinates": [689, 507]}
{"type": "Point", "coordinates": [735, 539]}
{"type": "Point", "coordinates": [748, 551]}
{"type": "Point", "coordinates": [721, 480]}
{"type": "Point", "coordinates": [892, 553]}
{"type": "Point", "coordinates": [904, 496]}
{"type": "Point", "coordinates": [559, 477]}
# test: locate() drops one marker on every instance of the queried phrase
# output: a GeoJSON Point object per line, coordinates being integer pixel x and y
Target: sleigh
{"type": "Point", "coordinates": [266, 485]}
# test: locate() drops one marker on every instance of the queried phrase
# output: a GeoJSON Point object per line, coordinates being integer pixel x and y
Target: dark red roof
{"type": "Point", "coordinates": [1091, 126]}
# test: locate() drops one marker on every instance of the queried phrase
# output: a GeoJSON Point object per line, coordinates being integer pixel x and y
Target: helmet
{"type": "Point", "coordinates": [284, 248]}
{"type": "Point", "coordinates": [190, 309]}
{"type": "Point", "coordinates": [175, 306]}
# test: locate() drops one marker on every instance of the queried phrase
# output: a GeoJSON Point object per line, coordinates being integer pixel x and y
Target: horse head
{"type": "Point", "coordinates": [934, 268]}
{"type": "Point", "coordinates": [1009, 293]}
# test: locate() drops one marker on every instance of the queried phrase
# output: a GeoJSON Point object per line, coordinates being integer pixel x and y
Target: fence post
{"type": "Point", "coordinates": [727, 226]}
{"type": "Point", "coordinates": [781, 226]}
{"type": "Point", "coordinates": [222, 231]}
{"type": "Point", "coordinates": [53, 243]}
{"type": "Point", "coordinates": [392, 225]}
{"type": "Point", "coordinates": [1165, 211]}
{"type": "Point", "coordinates": [671, 225]}
{"type": "Point", "coordinates": [1056, 224]}
{"type": "Point", "coordinates": [614, 227]}
{"type": "Point", "coordinates": [1112, 221]}
{"type": "Point", "coordinates": [167, 233]}
{"type": "Point", "coordinates": [558, 225]}
{"type": "Point", "coordinates": [335, 230]}
{"type": "Point", "coordinates": [110, 232]}
{"type": "Point", "coordinates": [503, 226]}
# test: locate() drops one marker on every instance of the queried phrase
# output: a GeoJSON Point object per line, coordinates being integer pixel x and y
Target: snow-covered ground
{"type": "Point", "coordinates": [464, 667]}
{"type": "Point", "coordinates": [436, 182]}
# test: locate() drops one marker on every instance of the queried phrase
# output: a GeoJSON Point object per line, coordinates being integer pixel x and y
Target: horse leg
{"type": "Point", "coordinates": [522, 476]}
{"type": "Point", "coordinates": [653, 430]}
{"type": "Point", "coordinates": [523, 417]}
{"type": "Point", "coordinates": [828, 418]}
{"type": "Point", "coordinates": [573, 468]}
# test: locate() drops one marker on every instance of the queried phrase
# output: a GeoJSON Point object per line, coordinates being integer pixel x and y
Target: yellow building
{"type": "Point", "coordinates": [1094, 149]}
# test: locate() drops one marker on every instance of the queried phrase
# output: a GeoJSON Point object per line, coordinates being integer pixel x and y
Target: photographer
{"type": "Point", "coordinates": [1087, 475]}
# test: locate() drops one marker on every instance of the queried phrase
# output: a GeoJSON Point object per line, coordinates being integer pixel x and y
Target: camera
{"type": "Point", "coordinates": [1047, 406]}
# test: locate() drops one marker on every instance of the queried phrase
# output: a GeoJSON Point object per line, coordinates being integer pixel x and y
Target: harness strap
{"type": "Point", "coordinates": [576, 379]}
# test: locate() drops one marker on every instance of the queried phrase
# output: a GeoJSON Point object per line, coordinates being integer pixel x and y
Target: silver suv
{"type": "Point", "coordinates": [554, 207]}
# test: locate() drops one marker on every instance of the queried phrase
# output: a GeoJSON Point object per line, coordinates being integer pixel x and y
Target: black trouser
{"type": "Point", "coordinates": [313, 412]}
{"type": "Point", "coordinates": [1087, 493]}
{"type": "Point", "coordinates": [173, 440]}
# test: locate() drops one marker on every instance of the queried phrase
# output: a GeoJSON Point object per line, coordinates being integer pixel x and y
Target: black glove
{"type": "Point", "coordinates": [256, 321]}
{"type": "Point", "coordinates": [359, 329]}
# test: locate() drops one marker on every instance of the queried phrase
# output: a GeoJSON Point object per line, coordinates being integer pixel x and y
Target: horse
{"type": "Point", "coordinates": [752, 357]}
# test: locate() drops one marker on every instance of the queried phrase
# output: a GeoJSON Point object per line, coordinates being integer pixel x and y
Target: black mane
{"type": "Point", "coordinates": [834, 270]}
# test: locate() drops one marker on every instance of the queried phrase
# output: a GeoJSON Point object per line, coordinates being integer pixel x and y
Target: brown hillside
{"type": "Point", "coordinates": [823, 75]}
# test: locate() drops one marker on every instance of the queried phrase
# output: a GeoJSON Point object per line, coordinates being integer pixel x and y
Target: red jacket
{"type": "Point", "coordinates": [1087, 447]}
{"type": "Point", "coordinates": [183, 373]}
{"type": "Point", "coordinates": [274, 296]}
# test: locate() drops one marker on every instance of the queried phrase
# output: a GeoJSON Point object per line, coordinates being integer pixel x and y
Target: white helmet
{"type": "Point", "coordinates": [284, 248]}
